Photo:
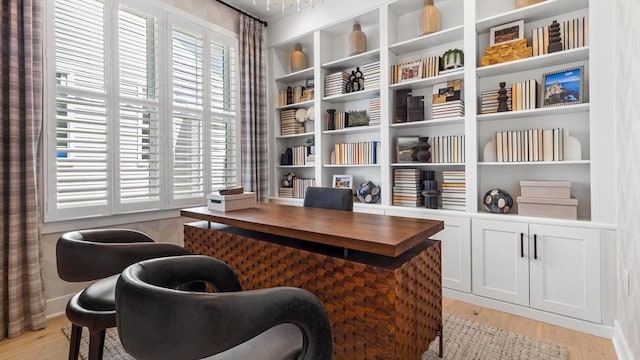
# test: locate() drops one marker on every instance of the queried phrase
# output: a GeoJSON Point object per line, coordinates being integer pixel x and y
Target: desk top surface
{"type": "Point", "coordinates": [378, 234]}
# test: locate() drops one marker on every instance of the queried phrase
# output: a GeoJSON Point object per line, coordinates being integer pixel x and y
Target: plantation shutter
{"type": "Point", "coordinates": [81, 113]}
{"type": "Point", "coordinates": [138, 136]}
{"type": "Point", "coordinates": [224, 155]}
{"type": "Point", "coordinates": [187, 140]}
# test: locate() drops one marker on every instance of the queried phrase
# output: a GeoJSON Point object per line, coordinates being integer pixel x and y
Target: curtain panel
{"type": "Point", "coordinates": [253, 95]}
{"type": "Point", "coordinates": [21, 282]}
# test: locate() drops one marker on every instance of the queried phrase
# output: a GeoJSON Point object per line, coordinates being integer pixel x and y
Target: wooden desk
{"type": "Point", "coordinates": [384, 300]}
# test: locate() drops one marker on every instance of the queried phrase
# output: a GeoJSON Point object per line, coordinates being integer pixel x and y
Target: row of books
{"type": "Point", "coordinates": [290, 95]}
{"type": "Point", "coordinates": [454, 190]}
{"type": "Point", "coordinates": [288, 123]}
{"type": "Point", "coordinates": [340, 120]}
{"type": "Point", "coordinates": [447, 149]}
{"type": "Point", "coordinates": [371, 75]}
{"type": "Point", "coordinates": [407, 187]}
{"type": "Point", "coordinates": [417, 69]}
{"type": "Point", "coordinates": [524, 95]}
{"type": "Point", "coordinates": [489, 101]}
{"type": "Point", "coordinates": [298, 190]}
{"type": "Point", "coordinates": [301, 155]}
{"type": "Point", "coordinates": [374, 112]}
{"type": "Point", "coordinates": [530, 145]}
{"type": "Point", "coordinates": [359, 153]}
{"type": "Point", "coordinates": [573, 34]}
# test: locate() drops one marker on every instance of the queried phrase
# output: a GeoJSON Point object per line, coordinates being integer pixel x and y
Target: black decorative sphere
{"type": "Point", "coordinates": [498, 201]}
{"type": "Point", "coordinates": [287, 179]}
{"type": "Point", "coordinates": [368, 192]}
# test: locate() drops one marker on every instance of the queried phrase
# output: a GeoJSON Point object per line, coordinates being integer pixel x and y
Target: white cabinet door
{"type": "Point", "coordinates": [456, 252]}
{"type": "Point", "coordinates": [501, 260]}
{"type": "Point", "coordinates": [565, 271]}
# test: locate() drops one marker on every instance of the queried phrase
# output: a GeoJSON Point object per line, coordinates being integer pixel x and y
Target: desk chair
{"type": "Point", "coordinates": [157, 320]}
{"type": "Point", "coordinates": [329, 198]}
{"type": "Point", "coordinates": [101, 255]}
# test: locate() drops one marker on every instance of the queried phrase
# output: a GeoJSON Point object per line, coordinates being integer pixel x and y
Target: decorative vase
{"type": "Point", "coordinates": [429, 18]}
{"type": "Point", "coordinates": [298, 59]}
{"type": "Point", "coordinates": [357, 41]}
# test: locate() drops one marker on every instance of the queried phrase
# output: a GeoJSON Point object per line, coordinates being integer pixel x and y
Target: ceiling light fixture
{"type": "Point", "coordinates": [298, 3]}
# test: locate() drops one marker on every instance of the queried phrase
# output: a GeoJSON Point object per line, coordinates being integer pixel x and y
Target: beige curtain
{"type": "Point", "coordinates": [21, 284]}
{"type": "Point", "coordinates": [253, 111]}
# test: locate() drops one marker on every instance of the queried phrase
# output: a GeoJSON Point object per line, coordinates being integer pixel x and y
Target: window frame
{"type": "Point", "coordinates": [167, 16]}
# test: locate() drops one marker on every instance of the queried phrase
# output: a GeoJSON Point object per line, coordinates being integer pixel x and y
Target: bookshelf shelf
{"type": "Point", "coordinates": [422, 83]}
{"type": "Point", "coordinates": [531, 13]}
{"type": "Point", "coordinates": [357, 95]}
{"type": "Point", "coordinates": [350, 166]}
{"type": "Point", "coordinates": [296, 76]}
{"type": "Point", "coordinates": [296, 105]}
{"type": "Point", "coordinates": [420, 43]}
{"type": "Point", "coordinates": [353, 130]}
{"type": "Point", "coordinates": [523, 114]}
{"type": "Point", "coordinates": [425, 123]}
{"type": "Point", "coordinates": [294, 166]}
{"type": "Point", "coordinates": [422, 164]}
{"type": "Point", "coordinates": [536, 163]}
{"type": "Point", "coordinates": [353, 61]}
{"type": "Point", "coordinates": [294, 136]}
{"type": "Point", "coordinates": [535, 62]}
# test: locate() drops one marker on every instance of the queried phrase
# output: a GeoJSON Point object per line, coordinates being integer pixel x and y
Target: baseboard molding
{"type": "Point", "coordinates": [57, 306]}
{"type": "Point", "coordinates": [620, 343]}
{"type": "Point", "coordinates": [571, 323]}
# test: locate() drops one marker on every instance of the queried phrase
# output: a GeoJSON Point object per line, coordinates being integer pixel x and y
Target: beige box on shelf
{"type": "Point", "coordinates": [219, 202]}
{"type": "Point", "coordinates": [545, 189]}
{"type": "Point", "coordinates": [548, 207]}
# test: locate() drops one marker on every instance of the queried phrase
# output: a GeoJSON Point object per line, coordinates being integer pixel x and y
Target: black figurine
{"type": "Point", "coordinates": [555, 43]}
{"type": "Point", "coordinates": [502, 98]}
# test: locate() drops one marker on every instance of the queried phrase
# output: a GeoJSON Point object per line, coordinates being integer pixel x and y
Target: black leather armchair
{"type": "Point", "coordinates": [157, 320]}
{"type": "Point", "coordinates": [329, 198]}
{"type": "Point", "coordinates": [101, 255]}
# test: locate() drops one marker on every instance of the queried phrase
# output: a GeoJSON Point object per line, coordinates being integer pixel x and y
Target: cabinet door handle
{"type": "Point", "coordinates": [521, 245]}
{"type": "Point", "coordinates": [535, 246]}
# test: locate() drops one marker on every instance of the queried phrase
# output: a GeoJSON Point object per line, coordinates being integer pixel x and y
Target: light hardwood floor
{"type": "Point", "coordinates": [51, 344]}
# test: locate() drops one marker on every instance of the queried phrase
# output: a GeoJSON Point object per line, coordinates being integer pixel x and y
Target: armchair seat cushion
{"type": "Point", "coordinates": [94, 307]}
{"type": "Point", "coordinates": [282, 342]}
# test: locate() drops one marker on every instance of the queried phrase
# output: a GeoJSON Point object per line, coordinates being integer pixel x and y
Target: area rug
{"type": "Point", "coordinates": [463, 340]}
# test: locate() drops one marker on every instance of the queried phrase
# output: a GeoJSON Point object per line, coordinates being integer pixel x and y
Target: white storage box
{"type": "Point", "coordinates": [548, 207]}
{"type": "Point", "coordinates": [231, 202]}
{"type": "Point", "coordinates": [545, 189]}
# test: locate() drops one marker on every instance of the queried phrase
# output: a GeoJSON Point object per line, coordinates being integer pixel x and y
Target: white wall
{"type": "Point", "coordinates": [625, 96]}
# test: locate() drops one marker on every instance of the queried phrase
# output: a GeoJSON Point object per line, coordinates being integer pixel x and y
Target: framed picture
{"type": "Point", "coordinates": [407, 148]}
{"type": "Point", "coordinates": [506, 32]}
{"type": "Point", "coordinates": [343, 181]}
{"type": "Point", "coordinates": [411, 70]}
{"type": "Point", "coordinates": [563, 87]}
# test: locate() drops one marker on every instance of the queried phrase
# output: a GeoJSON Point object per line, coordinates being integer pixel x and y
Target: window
{"type": "Point", "coordinates": [142, 109]}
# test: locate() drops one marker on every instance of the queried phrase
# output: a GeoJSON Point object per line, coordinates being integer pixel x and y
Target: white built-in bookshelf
{"type": "Point", "coordinates": [392, 38]}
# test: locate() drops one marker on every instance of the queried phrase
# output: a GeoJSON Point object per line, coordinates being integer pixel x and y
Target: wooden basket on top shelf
{"type": "Point", "coordinates": [505, 52]}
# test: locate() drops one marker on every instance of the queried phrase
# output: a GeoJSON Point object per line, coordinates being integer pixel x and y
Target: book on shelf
{"type": "Point", "coordinates": [530, 145]}
{"type": "Point", "coordinates": [335, 83]}
{"type": "Point", "coordinates": [407, 187]}
{"type": "Point", "coordinates": [371, 75]}
{"type": "Point", "coordinates": [573, 34]}
{"type": "Point", "coordinates": [360, 153]}
{"type": "Point", "coordinates": [447, 100]}
{"type": "Point", "coordinates": [489, 101]}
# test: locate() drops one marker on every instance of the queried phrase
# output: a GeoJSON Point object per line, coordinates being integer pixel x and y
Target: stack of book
{"type": "Point", "coordinates": [454, 190]}
{"type": "Point", "coordinates": [335, 83]}
{"type": "Point", "coordinates": [371, 74]}
{"type": "Point", "coordinates": [524, 95]}
{"type": "Point", "coordinates": [374, 111]}
{"type": "Point", "coordinates": [530, 145]}
{"type": "Point", "coordinates": [300, 186]}
{"type": "Point", "coordinates": [288, 123]}
{"type": "Point", "coordinates": [407, 187]}
{"type": "Point", "coordinates": [447, 100]}
{"type": "Point", "coordinates": [431, 67]}
{"type": "Point", "coordinates": [573, 34]}
{"type": "Point", "coordinates": [285, 192]}
{"type": "Point", "coordinates": [489, 101]}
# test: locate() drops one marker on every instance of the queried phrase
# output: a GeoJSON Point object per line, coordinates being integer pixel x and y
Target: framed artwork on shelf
{"type": "Point", "coordinates": [411, 70]}
{"type": "Point", "coordinates": [343, 181]}
{"type": "Point", "coordinates": [407, 148]}
{"type": "Point", "coordinates": [506, 32]}
{"type": "Point", "coordinates": [563, 87]}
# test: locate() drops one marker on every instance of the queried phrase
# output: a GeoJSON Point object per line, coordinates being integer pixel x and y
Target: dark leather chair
{"type": "Point", "coordinates": [157, 320]}
{"type": "Point", "coordinates": [101, 255]}
{"type": "Point", "coordinates": [329, 198]}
